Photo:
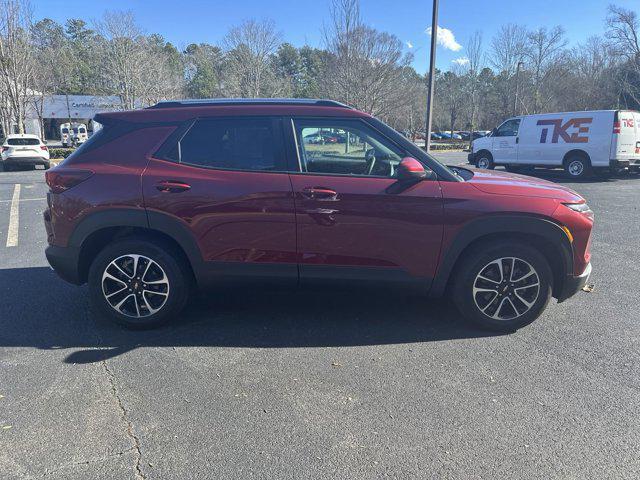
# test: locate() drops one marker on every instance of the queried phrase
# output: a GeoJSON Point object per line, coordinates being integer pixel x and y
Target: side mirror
{"type": "Point", "coordinates": [411, 169]}
{"type": "Point", "coordinates": [410, 172]}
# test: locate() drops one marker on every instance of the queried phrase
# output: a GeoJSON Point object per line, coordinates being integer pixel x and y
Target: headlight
{"type": "Point", "coordinates": [582, 208]}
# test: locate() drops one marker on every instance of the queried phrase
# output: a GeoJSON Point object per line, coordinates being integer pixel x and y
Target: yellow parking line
{"type": "Point", "coordinates": [14, 219]}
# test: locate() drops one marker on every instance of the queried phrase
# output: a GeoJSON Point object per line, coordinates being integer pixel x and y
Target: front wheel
{"type": "Point", "coordinates": [503, 287]}
{"type": "Point", "coordinates": [485, 162]}
{"type": "Point", "coordinates": [138, 283]}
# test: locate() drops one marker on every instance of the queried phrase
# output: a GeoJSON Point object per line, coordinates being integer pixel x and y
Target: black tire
{"type": "Point", "coordinates": [578, 167]}
{"type": "Point", "coordinates": [2, 169]}
{"type": "Point", "coordinates": [175, 270]}
{"type": "Point", "coordinates": [481, 260]}
{"type": "Point", "coordinates": [485, 161]}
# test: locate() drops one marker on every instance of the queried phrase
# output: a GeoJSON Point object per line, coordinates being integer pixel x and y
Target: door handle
{"type": "Point", "coordinates": [319, 193]}
{"type": "Point", "coordinates": [169, 186]}
{"type": "Point", "coordinates": [517, 139]}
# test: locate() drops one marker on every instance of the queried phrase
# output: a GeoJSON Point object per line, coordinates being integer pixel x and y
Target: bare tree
{"type": "Point", "coordinates": [542, 52]}
{"type": "Point", "coordinates": [507, 50]}
{"type": "Point", "coordinates": [133, 65]}
{"type": "Point", "coordinates": [624, 35]}
{"type": "Point", "coordinates": [16, 61]}
{"type": "Point", "coordinates": [367, 68]}
{"type": "Point", "coordinates": [475, 63]}
{"type": "Point", "coordinates": [249, 48]}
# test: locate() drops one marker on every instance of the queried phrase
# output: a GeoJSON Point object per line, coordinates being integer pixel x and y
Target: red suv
{"type": "Point", "coordinates": [191, 194]}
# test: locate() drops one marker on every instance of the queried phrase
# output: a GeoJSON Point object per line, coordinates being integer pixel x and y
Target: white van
{"type": "Point", "coordinates": [65, 134]}
{"type": "Point", "coordinates": [580, 142]}
{"type": "Point", "coordinates": [80, 134]}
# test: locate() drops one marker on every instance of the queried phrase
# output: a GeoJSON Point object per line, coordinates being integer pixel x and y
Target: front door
{"type": "Point", "coordinates": [224, 183]}
{"type": "Point", "coordinates": [505, 142]}
{"type": "Point", "coordinates": [349, 227]}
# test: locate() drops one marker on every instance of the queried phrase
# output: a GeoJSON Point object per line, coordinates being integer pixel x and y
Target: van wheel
{"type": "Point", "coordinates": [138, 283]}
{"type": "Point", "coordinates": [485, 162]}
{"type": "Point", "coordinates": [577, 166]}
{"type": "Point", "coordinates": [503, 287]}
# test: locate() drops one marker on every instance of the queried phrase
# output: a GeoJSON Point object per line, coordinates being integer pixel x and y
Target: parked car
{"type": "Point", "coordinates": [450, 136]}
{"type": "Point", "coordinates": [436, 136]}
{"type": "Point", "coordinates": [200, 194]}
{"type": "Point", "coordinates": [24, 150]}
{"type": "Point", "coordinates": [580, 142]}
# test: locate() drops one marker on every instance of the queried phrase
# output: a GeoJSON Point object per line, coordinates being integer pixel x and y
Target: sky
{"type": "Point", "coordinates": [301, 21]}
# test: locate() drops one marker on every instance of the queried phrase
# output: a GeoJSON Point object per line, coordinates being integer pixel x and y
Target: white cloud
{"type": "Point", "coordinates": [446, 39]}
{"type": "Point", "coordinates": [409, 45]}
{"type": "Point", "coordinates": [461, 61]}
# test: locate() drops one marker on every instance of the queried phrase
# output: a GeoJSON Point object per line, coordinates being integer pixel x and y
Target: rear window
{"type": "Point", "coordinates": [65, 130]}
{"type": "Point", "coordinates": [23, 141]}
{"type": "Point", "coordinates": [235, 144]}
{"type": "Point", "coordinates": [82, 130]}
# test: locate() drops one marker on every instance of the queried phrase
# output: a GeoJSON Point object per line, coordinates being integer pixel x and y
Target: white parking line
{"type": "Point", "coordinates": [38, 199]}
{"type": "Point", "coordinates": [14, 219]}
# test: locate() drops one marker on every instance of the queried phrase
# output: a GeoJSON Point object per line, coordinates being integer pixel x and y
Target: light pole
{"type": "Point", "coordinates": [432, 76]}
{"type": "Point", "coordinates": [515, 100]}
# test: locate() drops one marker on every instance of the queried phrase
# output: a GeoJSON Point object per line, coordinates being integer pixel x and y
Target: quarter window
{"type": "Point", "coordinates": [236, 144]}
{"type": "Point", "coordinates": [344, 147]}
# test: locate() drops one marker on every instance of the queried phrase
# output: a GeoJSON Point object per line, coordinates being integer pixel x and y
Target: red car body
{"type": "Point", "coordinates": [297, 227]}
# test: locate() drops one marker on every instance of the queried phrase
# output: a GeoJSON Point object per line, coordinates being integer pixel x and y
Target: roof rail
{"type": "Point", "coordinates": [203, 102]}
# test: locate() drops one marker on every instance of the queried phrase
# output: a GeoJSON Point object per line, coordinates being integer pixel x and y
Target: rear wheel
{"type": "Point", "coordinates": [578, 166]}
{"type": "Point", "coordinates": [503, 287]}
{"type": "Point", "coordinates": [138, 283]}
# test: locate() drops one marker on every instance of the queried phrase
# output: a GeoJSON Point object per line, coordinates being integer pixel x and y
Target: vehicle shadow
{"type": "Point", "coordinates": [40, 310]}
{"type": "Point", "coordinates": [559, 176]}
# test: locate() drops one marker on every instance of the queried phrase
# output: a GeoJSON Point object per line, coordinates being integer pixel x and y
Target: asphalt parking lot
{"type": "Point", "coordinates": [286, 385]}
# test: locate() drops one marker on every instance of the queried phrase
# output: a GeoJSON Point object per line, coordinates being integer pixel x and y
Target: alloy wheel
{"type": "Point", "coordinates": [506, 288]}
{"type": "Point", "coordinates": [135, 286]}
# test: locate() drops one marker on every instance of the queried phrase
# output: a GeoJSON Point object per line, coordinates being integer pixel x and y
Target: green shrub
{"type": "Point", "coordinates": [57, 153]}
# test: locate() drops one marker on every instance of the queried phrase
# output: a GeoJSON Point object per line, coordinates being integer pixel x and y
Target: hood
{"type": "Point", "coordinates": [499, 183]}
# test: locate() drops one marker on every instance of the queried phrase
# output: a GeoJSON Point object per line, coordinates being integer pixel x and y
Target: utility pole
{"type": "Point", "coordinates": [432, 74]}
{"type": "Point", "coordinates": [515, 100]}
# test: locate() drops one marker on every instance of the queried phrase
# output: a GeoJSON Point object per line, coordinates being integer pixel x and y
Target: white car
{"type": "Point", "coordinates": [23, 150]}
{"type": "Point", "coordinates": [580, 142]}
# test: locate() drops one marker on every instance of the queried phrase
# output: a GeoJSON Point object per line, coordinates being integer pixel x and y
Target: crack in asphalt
{"type": "Point", "coordinates": [125, 417]}
{"type": "Point", "coordinates": [124, 413]}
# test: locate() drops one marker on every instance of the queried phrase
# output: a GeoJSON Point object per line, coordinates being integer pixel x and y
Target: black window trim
{"type": "Point", "coordinates": [177, 135]}
{"type": "Point", "coordinates": [298, 160]}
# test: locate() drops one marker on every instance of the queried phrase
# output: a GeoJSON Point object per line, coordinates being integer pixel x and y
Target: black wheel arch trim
{"type": "Point", "coordinates": [134, 217]}
{"type": "Point", "coordinates": [501, 224]}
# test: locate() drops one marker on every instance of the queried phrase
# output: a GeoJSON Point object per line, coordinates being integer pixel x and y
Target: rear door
{"type": "Point", "coordinates": [505, 142]}
{"type": "Point", "coordinates": [349, 226]}
{"type": "Point", "coordinates": [627, 136]}
{"type": "Point", "coordinates": [223, 182]}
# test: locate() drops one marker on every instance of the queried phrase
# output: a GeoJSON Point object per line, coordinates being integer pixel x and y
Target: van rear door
{"type": "Point", "coordinates": [626, 137]}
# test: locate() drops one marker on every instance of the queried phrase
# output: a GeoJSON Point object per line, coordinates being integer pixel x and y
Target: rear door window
{"type": "Point", "coordinates": [234, 144]}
